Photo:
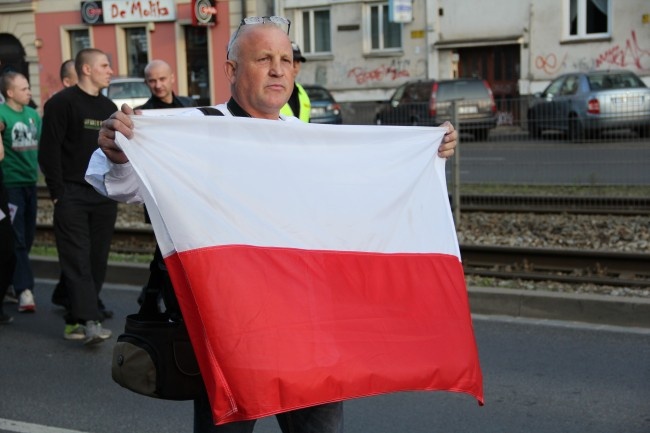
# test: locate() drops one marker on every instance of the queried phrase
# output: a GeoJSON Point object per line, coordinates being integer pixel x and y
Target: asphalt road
{"type": "Point", "coordinates": [517, 159]}
{"type": "Point", "coordinates": [540, 377]}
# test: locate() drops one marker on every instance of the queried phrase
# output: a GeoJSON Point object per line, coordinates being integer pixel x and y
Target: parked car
{"type": "Point", "coordinates": [324, 108]}
{"type": "Point", "coordinates": [131, 90]}
{"type": "Point", "coordinates": [429, 103]}
{"type": "Point", "coordinates": [582, 104]}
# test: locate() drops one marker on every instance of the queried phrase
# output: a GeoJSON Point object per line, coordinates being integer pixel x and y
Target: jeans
{"type": "Point", "coordinates": [324, 418]}
{"type": "Point", "coordinates": [24, 224]}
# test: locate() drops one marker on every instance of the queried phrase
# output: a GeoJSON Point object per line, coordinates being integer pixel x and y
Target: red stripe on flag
{"type": "Point", "coordinates": [277, 329]}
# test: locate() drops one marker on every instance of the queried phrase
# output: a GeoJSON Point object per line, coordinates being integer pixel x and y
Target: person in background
{"type": "Point", "coordinates": [67, 74]}
{"type": "Point", "coordinates": [20, 128]}
{"type": "Point", "coordinates": [69, 78]}
{"type": "Point", "coordinates": [160, 79]}
{"type": "Point", "coordinates": [259, 67]}
{"type": "Point", "coordinates": [83, 220]}
{"type": "Point", "coordinates": [299, 104]}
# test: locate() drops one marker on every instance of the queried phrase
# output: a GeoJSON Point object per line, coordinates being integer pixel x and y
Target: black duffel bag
{"type": "Point", "coordinates": [154, 355]}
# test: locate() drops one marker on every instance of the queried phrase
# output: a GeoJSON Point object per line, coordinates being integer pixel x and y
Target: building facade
{"type": "Point", "coordinates": [360, 50]}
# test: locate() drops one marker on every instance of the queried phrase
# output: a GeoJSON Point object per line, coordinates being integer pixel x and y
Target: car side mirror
{"type": "Point", "coordinates": [394, 104]}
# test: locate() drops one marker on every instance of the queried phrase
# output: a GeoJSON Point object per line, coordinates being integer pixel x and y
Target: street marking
{"type": "Point", "coordinates": [26, 427]}
{"type": "Point", "coordinates": [562, 324]}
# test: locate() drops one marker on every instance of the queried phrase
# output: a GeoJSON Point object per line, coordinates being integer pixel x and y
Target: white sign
{"type": "Point", "coordinates": [400, 11]}
{"type": "Point", "coordinates": [136, 11]}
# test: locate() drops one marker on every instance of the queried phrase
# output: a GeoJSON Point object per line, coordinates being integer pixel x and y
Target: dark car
{"type": "Point", "coordinates": [582, 104]}
{"type": "Point", "coordinates": [428, 103]}
{"type": "Point", "coordinates": [324, 108]}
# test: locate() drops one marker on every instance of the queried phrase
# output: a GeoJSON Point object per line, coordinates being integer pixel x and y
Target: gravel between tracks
{"type": "Point", "coordinates": [571, 231]}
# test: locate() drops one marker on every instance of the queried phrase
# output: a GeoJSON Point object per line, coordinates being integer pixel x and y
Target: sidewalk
{"type": "Point", "coordinates": [538, 304]}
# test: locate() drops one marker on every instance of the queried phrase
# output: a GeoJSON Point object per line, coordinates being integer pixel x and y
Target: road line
{"type": "Point", "coordinates": [561, 324]}
{"type": "Point", "coordinates": [26, 427]}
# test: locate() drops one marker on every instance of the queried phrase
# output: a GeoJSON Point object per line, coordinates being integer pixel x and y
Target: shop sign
{"type": "Point", "coordinates": [205, 13]}
{"type": "Point", "coordinates": [127, 11]}
{"type": "Point", "coordinates": [400, 11]}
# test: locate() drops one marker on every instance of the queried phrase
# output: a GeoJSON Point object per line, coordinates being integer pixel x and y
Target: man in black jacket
{"type": "Point", "coordinates": [160, 78]}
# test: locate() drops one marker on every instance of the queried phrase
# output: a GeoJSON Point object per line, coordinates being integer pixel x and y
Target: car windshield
{"type": "Point", "coordinates": [317, 93]}
{"type": "Point", "coordinates": [614, 81]}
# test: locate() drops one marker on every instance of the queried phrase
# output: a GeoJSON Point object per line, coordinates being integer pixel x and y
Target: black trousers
{"type": "Point", "coordinates": [84, 222]}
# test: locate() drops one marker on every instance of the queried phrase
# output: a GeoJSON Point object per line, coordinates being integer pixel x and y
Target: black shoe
{"type": "Point", "coordinates": [105, 312]}
{"type": "Point", "coordinates": [5, 319]}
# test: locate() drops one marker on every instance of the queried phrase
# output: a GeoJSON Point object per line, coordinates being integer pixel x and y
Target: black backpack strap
{"type": "Point", "coordinates": [210, 111]}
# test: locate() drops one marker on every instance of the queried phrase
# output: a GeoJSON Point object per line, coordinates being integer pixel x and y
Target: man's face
{"type": "Point", "coordinates": [20, 91]}
{"type": "Point", "coordinates": [161, 82]}
{"type": "Point", "coordinates": [262, 76]}
{"type": "Point", "coordinates": [100, 71]}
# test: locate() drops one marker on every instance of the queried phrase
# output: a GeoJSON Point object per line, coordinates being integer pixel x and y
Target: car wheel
{"type": "Point", "coordinates": [576, 131]}
{"type": "Point", "coordinates": [534, 128]}
{"type": "Point", "coordinates": [644, 131]}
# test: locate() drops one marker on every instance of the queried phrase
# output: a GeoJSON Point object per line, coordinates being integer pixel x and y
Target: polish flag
{"type": "Point", "coordinates": [313, 263]}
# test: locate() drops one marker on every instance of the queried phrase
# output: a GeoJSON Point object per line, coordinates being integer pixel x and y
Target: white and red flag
{"type": "Point", "coordinates": [312, 263]}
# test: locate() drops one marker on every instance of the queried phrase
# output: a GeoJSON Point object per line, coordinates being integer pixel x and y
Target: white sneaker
{"type": "Point", "coordinates": [95, 333]}
{"type": "Point", "coordinates": [26, 302]}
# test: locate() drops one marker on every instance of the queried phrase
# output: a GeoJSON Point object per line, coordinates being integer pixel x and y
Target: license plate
{"type": "Point", "coordinates": [317, 111]}
{"type": "Point", "coordinates": [472, 109]}
{"type": "Point", "coordinates": [628, 100]}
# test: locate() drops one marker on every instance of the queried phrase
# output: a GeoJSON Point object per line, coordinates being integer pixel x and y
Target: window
{"type": "Point", "coordinates": [317, 33]}
{"type": "Point", "coordinates": [79, 40]}
{"type": "Point", "coordinates": [384, 35]}
{"type": "Point", "coordinates": [136, 50]}
{"type": "Point", "coordinates": [198, 68]}
{"type": "Point", "coordinates": [588, 18]}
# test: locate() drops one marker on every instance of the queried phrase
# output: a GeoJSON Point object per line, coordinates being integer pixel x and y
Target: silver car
{"type": "Point", "coordinates": [583, 104]}
{"type": "Point", "coordinates": [130, 90]}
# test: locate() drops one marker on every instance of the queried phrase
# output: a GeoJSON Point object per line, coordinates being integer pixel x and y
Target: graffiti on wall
{"type": "Point", "coordinates": [549, 63]}
{"type": "Point", "coordinates": [396, 70]}
{"type": "Point", "coordinates": [629, 55]}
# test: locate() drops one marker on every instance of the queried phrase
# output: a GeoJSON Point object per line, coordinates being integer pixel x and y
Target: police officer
{"type": "Point", "coordinates": [299, 104]}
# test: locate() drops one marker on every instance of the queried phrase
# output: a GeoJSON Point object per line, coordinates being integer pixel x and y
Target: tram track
{"type": "Point", "coordinates": [610, 268]}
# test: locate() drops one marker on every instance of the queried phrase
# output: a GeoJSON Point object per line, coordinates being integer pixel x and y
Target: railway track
{"type": "Point", "coordinates": [538, 264]}
{"type": "Point", "coordinates": [534, 203]}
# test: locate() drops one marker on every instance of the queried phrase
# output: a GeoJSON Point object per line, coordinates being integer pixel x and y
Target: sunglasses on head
{"type": "Point", "coordinates": [281, 22]}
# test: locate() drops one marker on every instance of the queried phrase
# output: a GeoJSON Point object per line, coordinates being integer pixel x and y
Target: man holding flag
{"type": "Point", "coordinates": [259, 69]}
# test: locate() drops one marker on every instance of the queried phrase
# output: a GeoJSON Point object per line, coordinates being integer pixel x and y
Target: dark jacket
{"type": "Point", "coordinates": [177, 102]}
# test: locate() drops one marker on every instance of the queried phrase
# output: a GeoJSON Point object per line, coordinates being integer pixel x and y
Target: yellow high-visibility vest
{"type": "Point", "coordinates": [305, 105]}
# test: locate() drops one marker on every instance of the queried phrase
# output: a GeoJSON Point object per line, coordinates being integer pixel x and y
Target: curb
{"type": "Point", "coordinates": [537, 304]}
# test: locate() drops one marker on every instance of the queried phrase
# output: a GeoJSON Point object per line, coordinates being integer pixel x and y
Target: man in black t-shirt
{"type": "Point", "coordinates": [83, 219]}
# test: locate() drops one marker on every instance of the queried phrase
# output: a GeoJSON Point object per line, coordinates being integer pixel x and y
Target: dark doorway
{"type": "Point", "coordinates": [12, 55]}
{"type": "Point", "coordinates": [500, 66]}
